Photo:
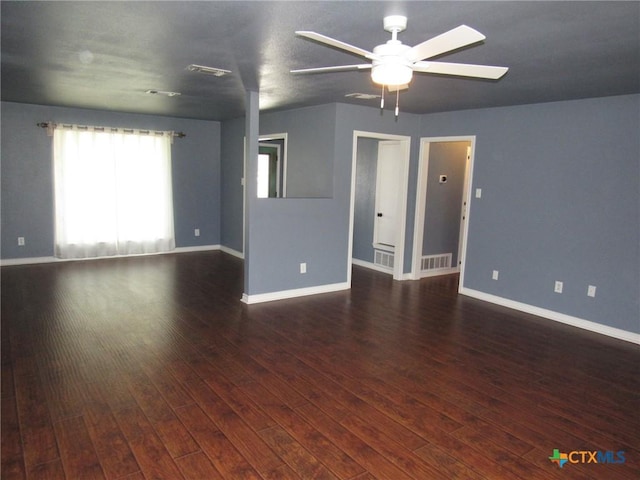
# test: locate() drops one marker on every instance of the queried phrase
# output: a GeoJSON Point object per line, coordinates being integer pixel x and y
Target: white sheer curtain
{"type": "Point", "coordinates": [113, 193]}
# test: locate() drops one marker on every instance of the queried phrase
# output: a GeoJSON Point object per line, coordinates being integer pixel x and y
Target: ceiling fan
{"type": "Point", "coordinates": [393, 63]}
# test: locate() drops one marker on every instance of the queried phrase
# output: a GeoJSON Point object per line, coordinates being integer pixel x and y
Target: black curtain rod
{"type": "Point", "coordinates": [49, 124]}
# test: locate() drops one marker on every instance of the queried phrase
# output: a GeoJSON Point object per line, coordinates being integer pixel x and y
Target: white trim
{"type": "Point", "coordinates": [294, 293]}
{"type": "Point", "coordinates": [5, 262]}
{"type": "Point", "coordinates": [196, 248]}
{"type": "Point", "coordinates": [280, 136]}
{"type": "Point", "coordinates": [555, 316]}
{"type": "Point", "coordinates": [420, 210]}
{"type": "Point", "coordinates": [405, 142]}
{"type": "Point", "coordinates": [439, 271]}
{"type": "Point", "coordinates": [231, 251]}
{"type": "Point", "coordinates": [371, 266]}
{"type": "Point", "coordinates": [277, 148]}
{"type": "Point", "coordinates": [384, 247]}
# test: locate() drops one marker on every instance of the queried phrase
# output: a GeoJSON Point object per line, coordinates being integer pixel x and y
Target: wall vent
{"type": "Point", "coordinates": [383, 259]}
{"type": "Point", "coordinates": [436, 262]}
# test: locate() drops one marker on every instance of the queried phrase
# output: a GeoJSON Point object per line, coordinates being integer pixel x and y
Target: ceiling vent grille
{"type": "Point", "coordinates": [162, 92]}
{"type": "Point", "coordinates": [362, 96]}
{"type": "Point", "coordinates": [215, 72]}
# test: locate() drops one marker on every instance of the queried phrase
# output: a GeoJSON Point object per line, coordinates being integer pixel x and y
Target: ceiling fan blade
{"type": "Point", "coordinates": [332, 42]}
{"type": "Point", "coordinates": [453, 39]}
{"type": "Point", "coordinates": [461, 69]}
{"type": "Point", "coordinates": [337, 68]}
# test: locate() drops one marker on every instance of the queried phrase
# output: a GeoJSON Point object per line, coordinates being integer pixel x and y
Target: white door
{"type": "Point", "coordinates": [388, 182]}
{"type": "Point", "coordinates": [465, 210]}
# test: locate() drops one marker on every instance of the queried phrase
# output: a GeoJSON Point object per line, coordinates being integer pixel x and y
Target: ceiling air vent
{"type": "Point", "coordinates": [162, 92]}
{"type": "Point", "coordinates": [362, 96]}
{"type": "Point", "coordinates": [216, 72]}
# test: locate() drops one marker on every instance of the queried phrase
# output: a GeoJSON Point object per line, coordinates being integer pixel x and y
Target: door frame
{"type": "Point", "coordinates": [421, 197]}
{"type": "Point", "coordinates": [399, 254]}
{"type": "Point", "coordinates": [279, 174]}
{"type": "Point", "coordinates": [283, 157]}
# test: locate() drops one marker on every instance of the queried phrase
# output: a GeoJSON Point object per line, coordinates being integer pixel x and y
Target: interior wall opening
{"type": "Point", "coordinates": [377, 230]}
{"type": "Point", "coordinates": [442, 206]}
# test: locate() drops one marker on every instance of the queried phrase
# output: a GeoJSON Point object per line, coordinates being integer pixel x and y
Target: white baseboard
{"type": "Point", "coordinates": [555, 316]}
{"type": "Point", "coordinates": [196, 248]}
{"type": "Point", "coordinates": [379, 268]}
{"type": "Point", "coordinates": [5, 262]}
{"type": "Point", "coordinates": [371, 266]}
{"type": "Point", "coordinates": [297, 292]}
{"type": "Point", "coordinates": [35, 260]}
{"type": "Point", "coordinates": [439, 271]}
{"type": "Point", "coordinates": [231, 251]}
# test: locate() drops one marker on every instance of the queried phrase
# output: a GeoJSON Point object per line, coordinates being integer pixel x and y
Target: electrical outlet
{"type": "Point", "coordinates": [21, 241]}
{"type": "Point", "coordinates": [303, 268]}
{"type": "Point", "coordinates": [495, 274]}
{"type": "Point", "coordinates": [558, 287]}
{"type": "Point", "coordinates": [196, 232]}
{"type": "Point", "coordinates": [478, 193]}
{"type": "Point", "coordinates": [591, 291]}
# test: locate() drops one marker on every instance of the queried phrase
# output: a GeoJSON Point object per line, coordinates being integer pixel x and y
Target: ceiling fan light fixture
{"type": "Point", "coordinates": [391, 74]}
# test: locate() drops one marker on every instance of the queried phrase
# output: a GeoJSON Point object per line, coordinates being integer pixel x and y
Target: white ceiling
{"type": "Point", "coordinates": [105, 55]}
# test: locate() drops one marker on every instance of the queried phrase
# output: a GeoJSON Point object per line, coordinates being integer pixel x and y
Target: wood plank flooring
{"type": "Point", "coordinates": [151, 367]}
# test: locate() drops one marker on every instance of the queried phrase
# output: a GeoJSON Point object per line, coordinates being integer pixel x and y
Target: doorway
{"type": "Point", "coordinates": [386, 255]}
{"type": "Point", "coordinates": [272, 165]}
{"type": "Point", "coordinates": [442, 206]}
{"type": "Point", "coordinates": [269, 171]}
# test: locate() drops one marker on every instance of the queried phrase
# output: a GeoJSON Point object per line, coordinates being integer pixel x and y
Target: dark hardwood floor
{"type": "Point", "coordinates": [151, 367]}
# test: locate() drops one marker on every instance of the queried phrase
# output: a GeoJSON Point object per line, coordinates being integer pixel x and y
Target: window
{"type": "Point", "coordinates": [113, 192]}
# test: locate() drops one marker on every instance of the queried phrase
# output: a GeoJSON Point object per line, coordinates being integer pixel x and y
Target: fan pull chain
{"type": "Point", "coordinates": [382, 99]}
{"type": "Point", "coordinates": [397, 102]}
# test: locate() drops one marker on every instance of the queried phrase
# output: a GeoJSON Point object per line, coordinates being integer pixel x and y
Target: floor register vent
{"type": "Point", "coordinates": [436, 262]}
{"type": "Point", "coordinates": [383, 259]}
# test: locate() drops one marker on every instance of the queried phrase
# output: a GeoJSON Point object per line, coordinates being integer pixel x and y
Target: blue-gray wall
{"type": "Point", "coordinates": [288, 231]}
{"type": "Point", "coordinates": [285, 232]}
{"type": "Point", "coordinates": [309, 157]}
{"type": "Point", "coordinates": [560, 201]}
{"type": "Point", "coordinates": [365, 199]}
{"type": "Point", "coordinates": [309, 152]}
{"type": "Point", "coordinates": [444, 200]}
{"type": "Point", "coordinates": [560, 197]}
{"type": "Point", "coordinates": [232, 200]}
{"type": "Point", "coordinates": [27, 181]}
{"type": "Point", "coordinates": [370, 119]}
